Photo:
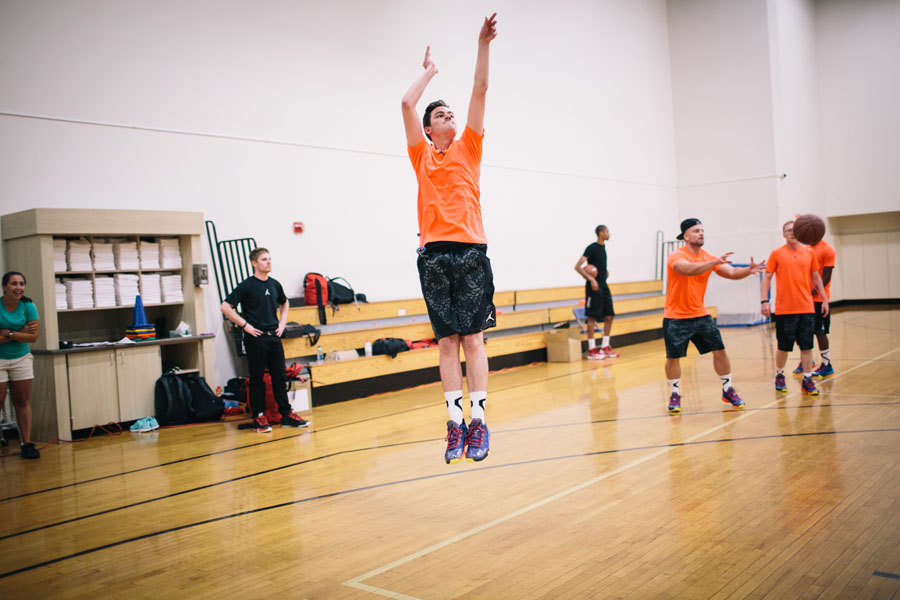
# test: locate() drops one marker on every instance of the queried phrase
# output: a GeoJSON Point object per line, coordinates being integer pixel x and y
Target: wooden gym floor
{"type": "Point", "coordinates": [591, 490]}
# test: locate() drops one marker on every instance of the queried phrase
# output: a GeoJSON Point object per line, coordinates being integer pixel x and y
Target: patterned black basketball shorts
{"type": "Point", "coordinates": [700, 330]}
{"type": "Point", "coordinates": [791, 328]}
{"type": "Point", "coordinates": [458, 287]}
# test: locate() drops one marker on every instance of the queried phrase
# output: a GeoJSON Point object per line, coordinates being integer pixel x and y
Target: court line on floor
{"type": "Point", "coordinates": [455, 473]}
{"type": "Point", "coordinates": [357, 582]}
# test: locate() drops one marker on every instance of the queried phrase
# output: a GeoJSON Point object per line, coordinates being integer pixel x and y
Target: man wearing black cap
{"type": "Point", "coordinates": [686, 318]}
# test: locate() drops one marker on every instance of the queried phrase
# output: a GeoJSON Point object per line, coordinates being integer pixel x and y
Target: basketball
{"type": "Point", "coordinates": [591, 270]}
{"type": "Point", "coordinates": [809, 229]}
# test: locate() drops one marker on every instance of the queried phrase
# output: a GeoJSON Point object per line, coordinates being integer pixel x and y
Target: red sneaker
{"type": "Point", "coordinates": [609, 352]}
{"type": "Point", "coordinates": [596, 354]}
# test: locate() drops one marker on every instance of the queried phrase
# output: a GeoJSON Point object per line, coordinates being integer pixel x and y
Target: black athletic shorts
{"type": "Point", "coordinates": [822, 324]}
{"type": "Point", "coordinates": [598, 305]}
{"type": "Point", "coordinates": [700, 330]}
{"type": "Point", "coordinates": [794, 328]}
{"type": "Point", "coordinates": [458, 287]}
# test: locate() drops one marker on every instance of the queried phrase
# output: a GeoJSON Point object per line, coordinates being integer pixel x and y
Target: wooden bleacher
{"type": "Point", "coordinates": [522, 319]}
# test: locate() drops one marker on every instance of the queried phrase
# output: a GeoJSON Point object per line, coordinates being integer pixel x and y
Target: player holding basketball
{"type": "Point", "coordinates": [686, 319]}
{"type": "Point", "coordinates": [825, 254]}
{"type": "Point", "coordinates": [454, 270]}
{"type": "Point", "coordinates": [598, 304]}
{"type": "Point", "coordinates": [798, 272]}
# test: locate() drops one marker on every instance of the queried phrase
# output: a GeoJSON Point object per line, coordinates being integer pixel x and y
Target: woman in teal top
{"type": "Point", "coordinates": [18, 328]}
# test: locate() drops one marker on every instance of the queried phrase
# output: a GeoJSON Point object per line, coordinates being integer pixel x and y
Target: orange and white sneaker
{"type": "Point", "coordinates": [609, 352]}
{"type": "Point", "coordinates": [596, 354]}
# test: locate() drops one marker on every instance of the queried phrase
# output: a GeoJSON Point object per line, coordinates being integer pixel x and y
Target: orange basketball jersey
{"type": "Point", "coordinates": [793, 270]}
{"type": "Point", "coordinates": [825, 254]}
{"type": "Point", "coordinates": [449, 192]}
{"type": "Point", "coordinates": [685, 293]}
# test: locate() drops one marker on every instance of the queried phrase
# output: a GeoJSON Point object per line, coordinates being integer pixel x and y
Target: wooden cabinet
{"type": "Point", "coordinates": [73, 390]}
{"type": "Point", "coordinates": [112, 385]}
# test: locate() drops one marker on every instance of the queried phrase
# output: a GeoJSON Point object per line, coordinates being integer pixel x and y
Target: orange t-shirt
{"type": "Point", "coordinates": [684, 296]}
{"type": "Point", "coordinates": [794, 269]}
{"type": "Point", "coordinates": [449, 194]}
{"type": "Point", "coordinates": [825, 254]}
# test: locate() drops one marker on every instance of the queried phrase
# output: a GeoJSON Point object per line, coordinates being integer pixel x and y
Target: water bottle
{"type": "Point", "coordinates": [320, 356]}
{"type": "Point", "coordinates": [368, 348]}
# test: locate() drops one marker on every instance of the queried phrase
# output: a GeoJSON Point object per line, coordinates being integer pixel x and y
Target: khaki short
{"type": "Point", "coordinates": [17, 369]}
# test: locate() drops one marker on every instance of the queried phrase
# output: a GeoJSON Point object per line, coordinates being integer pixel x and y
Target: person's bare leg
{"type": "Point", "coordinates": [21, 396]}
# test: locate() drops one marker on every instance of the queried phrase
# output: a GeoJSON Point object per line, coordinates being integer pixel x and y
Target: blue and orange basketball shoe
{"type": "Point", "coordinates": [731, 396]}
{"type": "Point", "coordinates": [456, 442]}
{"type": "Point", "coordinates": [808, 387]}
{"type": "Point", "coordinates": [824, 371]}
{"type": "Point", "coordinates": [674, 403]}
{"type": "Point", "coordinates": [478, 441]}
{"type": "Point", "coordinates": [799, 369]}
{"type": "Point", "coordinates": [780, 383]}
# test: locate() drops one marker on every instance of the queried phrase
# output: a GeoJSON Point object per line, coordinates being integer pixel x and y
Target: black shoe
{"type": "Point", "coordinates": [29, 451]}
{"type": "Point", "coordinates": [293, 420]}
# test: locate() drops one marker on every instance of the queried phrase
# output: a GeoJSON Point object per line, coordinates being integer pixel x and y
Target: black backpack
{"type": "Point", "coordinates": [204, 404]}
{"type": "Point", "coordinates": [340, 294]}
{"type": "Point", "coordinates": [389, 346]}
{"type": "Point", "coordinates": [172, 399]}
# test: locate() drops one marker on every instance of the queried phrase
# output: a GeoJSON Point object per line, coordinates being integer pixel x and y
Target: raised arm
{"type": "Point", "coordinates": [411, 122]}
{"type": "Point", "coordinates": [475, 119]}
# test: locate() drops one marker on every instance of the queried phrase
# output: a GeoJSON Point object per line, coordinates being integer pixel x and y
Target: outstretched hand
{"type": "Point", "coordinates": [755, 268]}
{"type": "Point", "coordinates": [428, 63]}
{"type": "Point", "coordinates": [488, 30]}
{"type": "Point", "coordinates": [723, 260]}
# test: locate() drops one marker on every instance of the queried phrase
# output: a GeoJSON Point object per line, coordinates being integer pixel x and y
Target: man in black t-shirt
{"type": "Point", "coordinates": [598, 301]}
{"type": "Point", "coordinates": [261, 298]}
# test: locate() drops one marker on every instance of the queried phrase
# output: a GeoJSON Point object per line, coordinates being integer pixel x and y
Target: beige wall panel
{"type": "Point", "coordinates": [893, 263]}
{"type": "Point", "coordinates": [875, 265]}
{"type": "Point", "coordinates": [850, 267]}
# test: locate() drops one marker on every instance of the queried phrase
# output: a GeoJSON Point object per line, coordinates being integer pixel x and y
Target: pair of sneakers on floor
{"type": "Point", "coordinates": [601, 353]}
{"type": "Point", "coordinates": [806, 386]}
{"type": "Point", "coordinates": [474, 440]}
{"type": "Point", "coordinates": [261, 423]}
{"type": "Point", "coordinates": [729, 396]}
{"type": "Point", "coordinates": [144, 425]}
{"type": "Point", "coordinates": [821, 372]}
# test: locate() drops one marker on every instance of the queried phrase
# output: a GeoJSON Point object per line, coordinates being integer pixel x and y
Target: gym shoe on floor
{"type": "Point", "coordinates": [596, 354]}
{"type": "Point", "coordinates": [609, 352]}
{"type": "Point", "coordinates": [478, 441]}
{"type": "Point", "coordinates": [294, 420]}
{"type": "Point", "coordinates": [799, 369]}
{"type": "Point", "coordinates": [674, 404]}
{"type": "Point", "coordinates": [140, 426]}
{"type": "Point", "coordinates": [262, 424]}
{"type": "Point", "coordinates": [823, 371]}
{"type": "Point", "coordinates": [152, 423]}
{"type": "Point", "coordinates": [731, 396]}
{"type": "Point", "coordinates": [29, 451]}
{"type": "Point", "coordinates": [456, 442]}
{"type": "Point", "coordinates": [780, 383]}
{"type": "Point", "coordinates": [808, 387]}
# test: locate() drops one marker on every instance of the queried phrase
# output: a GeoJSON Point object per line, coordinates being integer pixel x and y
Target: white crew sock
{"type": "Point", "coordinates": [674, 386]}
{"type": "Point", "coordinates": [779, 371]}
{"type": "Point", "coordinates": [454, 406]}
{"type": "Point", "coordinates": [826, 357]}
{"type": "Point", "coordinates": [726, 382]}
{"type": "Point", "coordinates": [477, 400]}
{"type": "Point", "coordinates": [592, 343]}
{"type": "Point", "coordinates": [605, 341]}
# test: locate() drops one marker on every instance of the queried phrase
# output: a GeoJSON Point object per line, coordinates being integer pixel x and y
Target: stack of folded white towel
{"type": "Point", "coordinates": [171, 288]}
{"type": "Point", "coordinates": [126, 255]}
{"type": "Point", "coordinates": [149, 255]}
{"type": "Point", "coordinates": [79, 292]}
{"type": "Point", "coordinates": [151, 290]}
{"type": "Point", "coordinates": [59, 255]}
{"type": "Point", "coordinates": [103, 256]}
{"type": "Point", "coordinates": [105, 291]}
{"type": "Point", "coordinates": [78, 255]}
{"type": "Point", "coordinates": [126, 288]}
{"type": "Point", "coordinates": [169, 253]}
{"type": "Point", "coordinates": [61, 302]}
